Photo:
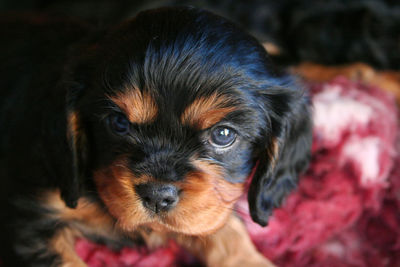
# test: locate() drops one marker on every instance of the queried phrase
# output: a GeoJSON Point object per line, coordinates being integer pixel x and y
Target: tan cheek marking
{"type": "Point", "coordinates": [205, 112]}
{"type": "Point", "coordinates": [139, 106]}
{"type": "Point", "coordinates": [207, 201]}
{"type": "Point", "coordinates": [115, 185]}
{"type": "Point", "coordinates": [229, 192]}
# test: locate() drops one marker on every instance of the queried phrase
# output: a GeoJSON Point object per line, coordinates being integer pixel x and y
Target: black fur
{"type": "Point", "coordinates": [327, 32]}
{"type": "Point", "coordinates": [52, 69]}
{"type": "Point", "coordinates": [339, 32]}
{"type": "Point", "coordinates": [290, 121]}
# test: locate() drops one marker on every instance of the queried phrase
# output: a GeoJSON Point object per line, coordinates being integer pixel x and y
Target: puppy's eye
{"type": "Point", "coordinates": [119, 124]}
{"type": "Point", "coordinates": [222, 136]}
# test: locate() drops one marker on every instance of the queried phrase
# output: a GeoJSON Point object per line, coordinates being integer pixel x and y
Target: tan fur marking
{"type": "Point", "coordinates": [272, 49]}
{"type": "Point", "coordinates": [115, 185]}
{"type": "Point", "coordinates": [63, 243]}
{"type": "Point", "coordinates": [139, 106]}
{"type": "Point", "coordinates": [88, 217]}
{"type": "Point", "coordinates": [205, 112]}
{"type": "Point", "coordinates": [75, 134]}
{"type": "Point", "coordinates": [387, 80]}
{"type": "Point", "coordinates": [273, 152]}
{"type": "Point", "coordinates": [320, 73]}
{"type": "Point", "coordinates": [154, 238]}
{"type": "Point", "coordinates": [202, 221]}
{"type": "Point", "coordinates": [205, 203]}
{"type": "Point", "coordinates": [73, 125]}
{"type": "Point", "coordinates": [73, 131]}
{"type": "Point", "coordinates": [230, 247]}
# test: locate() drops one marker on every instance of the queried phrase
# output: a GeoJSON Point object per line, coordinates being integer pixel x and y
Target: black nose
{"type": "Point", "coordinates": [158, 197]}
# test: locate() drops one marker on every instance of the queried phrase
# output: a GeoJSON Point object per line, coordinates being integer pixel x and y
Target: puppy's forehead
{"type": "Point", "coordinates": [186, 64]}
{"type": "Point", "coordinates": [200, 111]}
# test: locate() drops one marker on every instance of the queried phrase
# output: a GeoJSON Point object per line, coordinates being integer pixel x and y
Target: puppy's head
{"type": "Point", "coordinates": [173, 111]}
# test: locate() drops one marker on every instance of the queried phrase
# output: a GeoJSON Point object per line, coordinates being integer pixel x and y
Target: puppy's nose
{"type": "Point", "coordinates": [158, 197]}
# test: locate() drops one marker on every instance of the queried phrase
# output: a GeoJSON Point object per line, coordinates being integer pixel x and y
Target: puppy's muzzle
{"type": "Point", "coordinates": [158, 197]}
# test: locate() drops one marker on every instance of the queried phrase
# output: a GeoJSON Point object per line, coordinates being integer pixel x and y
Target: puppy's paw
{"type": "Point", "coordinates": [75, 263]}
{"type": "Point", "coordinates": [256, 260]}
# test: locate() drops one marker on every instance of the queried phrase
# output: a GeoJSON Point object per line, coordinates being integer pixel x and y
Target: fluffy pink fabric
{"type": "Point", "coordinates": [346, 210]}
{"type": "Point", "coordinates": [96, 255]}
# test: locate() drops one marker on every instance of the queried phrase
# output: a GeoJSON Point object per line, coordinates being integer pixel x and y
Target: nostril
{"type": "Point", "coordinates": [168, 198]}
{"type": "Point", "coordinates": [167, 202]}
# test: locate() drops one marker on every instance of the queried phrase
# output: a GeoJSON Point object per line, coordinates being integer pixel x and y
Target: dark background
{"type": "Point", "coordinates": [323, 31]}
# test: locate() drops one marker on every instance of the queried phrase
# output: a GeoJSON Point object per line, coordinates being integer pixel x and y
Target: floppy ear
{"type": "Point", "coordinates": [73, 82]}
{"type": "Point", "coordinates": [284, 152]}
{"type": "Point", "coordinates": [77, 71]}
{"type": "Point", "coordinates": [71, 186]}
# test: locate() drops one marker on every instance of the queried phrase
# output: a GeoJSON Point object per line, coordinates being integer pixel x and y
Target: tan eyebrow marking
{"type": "Point", "coordinates": [204, 112]}
{"type": "Point", "coordinates": [139, 106]}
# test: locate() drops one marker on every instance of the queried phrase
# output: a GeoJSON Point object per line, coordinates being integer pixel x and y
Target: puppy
{"type": "Point", "coordinates": [146, 131]}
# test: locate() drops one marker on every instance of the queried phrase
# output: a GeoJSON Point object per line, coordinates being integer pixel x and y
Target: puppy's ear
{"type": "Point", "coordinates": [77, 73]}
{"type": "Point", "coordinates": [284, 151]}
{"type": "Point", "coordinates": [76, 136]}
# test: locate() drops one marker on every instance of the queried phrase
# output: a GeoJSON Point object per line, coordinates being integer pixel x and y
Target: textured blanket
{"type": "Point", "coordinates": [346, 210]}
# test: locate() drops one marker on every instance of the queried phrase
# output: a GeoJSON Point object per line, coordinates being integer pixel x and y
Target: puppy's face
{"type": "Point", "coordinates": [172, 159]}
{"type": "Point", "coordinates": [174, 110]}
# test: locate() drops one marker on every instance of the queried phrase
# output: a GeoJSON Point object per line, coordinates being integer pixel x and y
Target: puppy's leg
{"type": "Point", "coordinates": [45, 231]}
{"type": "Point", "coordinates": [229, 246]}
{"type": "Point", "coordinates": [63, 244]}
{"type": "Point", "coordinates": [38, 238]}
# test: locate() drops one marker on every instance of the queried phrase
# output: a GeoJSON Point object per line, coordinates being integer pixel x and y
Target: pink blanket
{"type": "Point", "coordinates": [346, 210]}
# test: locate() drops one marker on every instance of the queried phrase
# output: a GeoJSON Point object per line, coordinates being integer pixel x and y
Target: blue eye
{"type": "Point", "coordinates": [119, 124]}
{"type": "Point", "coordinates": [222, 136]}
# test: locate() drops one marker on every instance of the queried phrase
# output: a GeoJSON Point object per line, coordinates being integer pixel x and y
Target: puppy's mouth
{"type": "Point", "coordinates": [200, 204]}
